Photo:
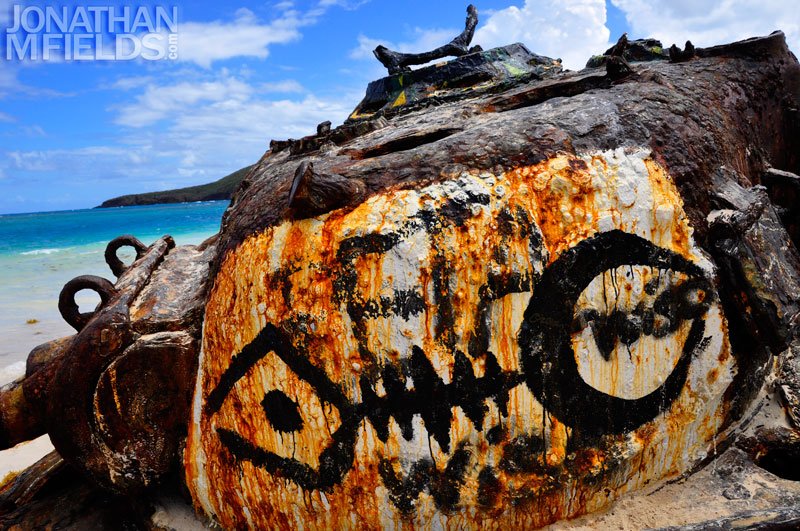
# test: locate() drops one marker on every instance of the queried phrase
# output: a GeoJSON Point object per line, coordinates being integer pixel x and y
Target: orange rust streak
{"type": "Point", "coordinates": [564, 196]}
{"type": "Point", "coordinates": [567, 197]}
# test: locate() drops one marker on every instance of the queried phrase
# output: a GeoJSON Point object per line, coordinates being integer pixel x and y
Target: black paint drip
{"type": "Point", "coordinates": [670, 309]}
{"type": "Point", "coordinates": [444, 486]}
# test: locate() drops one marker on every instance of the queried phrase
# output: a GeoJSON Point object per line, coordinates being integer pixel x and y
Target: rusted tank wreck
{"type": "Point", "coordinates": [500, 295]}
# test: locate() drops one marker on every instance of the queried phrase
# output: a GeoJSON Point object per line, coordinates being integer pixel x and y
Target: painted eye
{"type": "Point", "coordinates": [296, 432]}
{"type": "Point", "coordinates": [569, 385]}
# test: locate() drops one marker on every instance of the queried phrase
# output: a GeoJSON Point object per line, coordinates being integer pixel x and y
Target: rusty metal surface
{"type": "Point", "coordinates": [397, 62]}
{"type": "Point", "coordinates": [364, 367]}
{"type": "Point", "coordinates": [695, 116]}
{"type": "Point", "coordinates": [139, 408]}
{"type": "Point", "coordinates": [175, 296]}
{"type": "Point", "coordinates": [498, 307]}
{"type": "Point", "coordinates": [70, 415]}
{"type": "Point", "coordinates": [115, 397]}
{"type": "Point", "coordinates": [521, 321]}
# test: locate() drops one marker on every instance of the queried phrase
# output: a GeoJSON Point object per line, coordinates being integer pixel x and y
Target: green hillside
{"type": "Point", "coordinates": [221, 189]}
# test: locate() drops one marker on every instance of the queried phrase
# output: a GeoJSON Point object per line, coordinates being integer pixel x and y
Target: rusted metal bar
{"type": "Point", "coordinates": [397, 62]}
{"type": "Point", "coordinates": [315, 193]}
{"type": "Point", "coordinates": [22, 412]}
{"type": "Point", "coordinates": [70, 396]}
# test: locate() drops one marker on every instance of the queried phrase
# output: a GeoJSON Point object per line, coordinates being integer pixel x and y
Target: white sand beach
{"type": "Point", "coordinates": [23, 455]}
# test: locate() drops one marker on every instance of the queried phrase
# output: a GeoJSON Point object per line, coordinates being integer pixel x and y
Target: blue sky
{"type": "Point", "coordinates": [75, 133]}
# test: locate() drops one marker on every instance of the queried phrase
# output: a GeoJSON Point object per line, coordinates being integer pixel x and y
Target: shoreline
{"type": "Point", "coordinates": [38, 255]}
{"type": "Point", "coordinates": [100, 207]}
{"type": "Point", "coordinates": [32, 279]}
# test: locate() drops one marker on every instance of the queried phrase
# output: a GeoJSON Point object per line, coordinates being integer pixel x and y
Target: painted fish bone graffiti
{"type": "Point", "coordinates": [461, 352]}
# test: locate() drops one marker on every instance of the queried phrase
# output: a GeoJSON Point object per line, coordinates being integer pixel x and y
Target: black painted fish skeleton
{"type": "Point", "coordinates": [434, 351]}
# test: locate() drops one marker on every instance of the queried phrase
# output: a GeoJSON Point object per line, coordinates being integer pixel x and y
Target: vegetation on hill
{"type": "Point", "coordinates": [221, 189]}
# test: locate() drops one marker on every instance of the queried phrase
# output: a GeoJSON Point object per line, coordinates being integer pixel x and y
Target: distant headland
{"type": "Point", "coordinates": [221, 189]}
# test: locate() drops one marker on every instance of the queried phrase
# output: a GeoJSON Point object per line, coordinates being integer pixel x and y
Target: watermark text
{"type": "Point", "coordinates": [91, 33]}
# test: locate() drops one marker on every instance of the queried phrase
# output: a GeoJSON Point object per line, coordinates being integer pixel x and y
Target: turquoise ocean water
{"type": "Point", "coordinates": [40, 252]}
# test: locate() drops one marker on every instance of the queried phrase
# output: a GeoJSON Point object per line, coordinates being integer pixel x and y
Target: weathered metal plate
{"type": "Point", "coordinates": [492, 350]}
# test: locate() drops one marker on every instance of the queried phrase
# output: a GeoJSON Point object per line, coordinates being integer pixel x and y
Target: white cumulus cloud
{"type": "Point", "coordinates": [61, 159]}
{"type": "Point", "coordinates": [711, 22]}
{"type": "Point", "coordinates": [205, 42]}
{"type": "Point", "coordinates": [344, 4]}
{"type": "Point", "coordinates": [204, 127]}
{"type": "Point", "coordinates": [162, 101]}
{"type": "Point", "coordinates": [133, 82]}
{"type": "Point", "coordinates": [286, 86]}
{"type": "Point", "coordinates": [573, 30]}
